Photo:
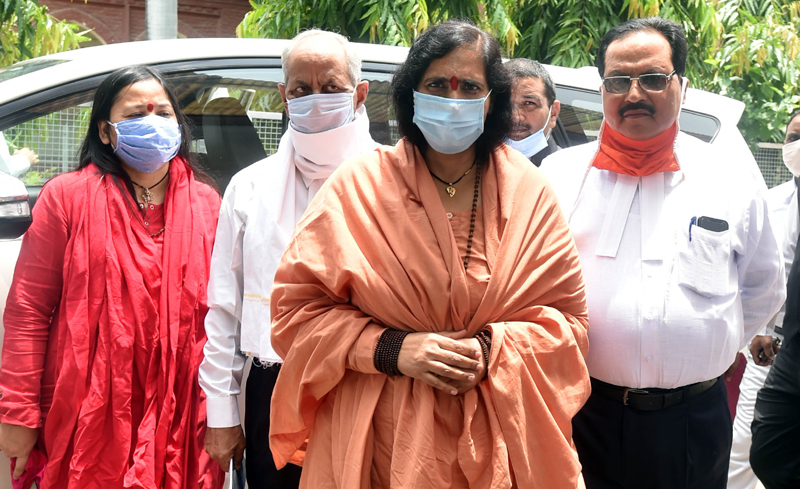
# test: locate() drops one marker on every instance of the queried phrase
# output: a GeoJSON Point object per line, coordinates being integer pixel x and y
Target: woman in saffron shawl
{"type": "Point", "coordinates": [104, 320]}
{"type": "Point", "coordinates": [430, 307]}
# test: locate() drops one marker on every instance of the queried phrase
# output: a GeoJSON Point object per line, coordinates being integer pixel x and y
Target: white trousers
{"type": "Point", "coordinates": [740, 475]}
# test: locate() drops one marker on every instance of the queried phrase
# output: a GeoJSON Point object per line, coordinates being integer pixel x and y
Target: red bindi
{"type": "Point", "coordinates": [454, 83]}
{"type": "Point", "coordinates": [149, 107]}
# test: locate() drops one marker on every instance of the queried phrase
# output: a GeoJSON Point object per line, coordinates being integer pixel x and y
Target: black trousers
{"type": "Point", "coordinates": [775, 452]}
{"type": "Point", "coordinates": [686, 446]}
{"type": "Point", "coordinates": [261, 471]}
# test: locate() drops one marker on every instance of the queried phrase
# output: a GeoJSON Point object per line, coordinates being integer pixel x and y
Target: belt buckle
{"type": "Point", "coordinates": [625, 392]}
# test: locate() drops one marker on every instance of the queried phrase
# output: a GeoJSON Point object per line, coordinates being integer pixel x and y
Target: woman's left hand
{"type": "Point", "coordinates": [17, 442]}
{"type": "Point", "coordinates": [464, 385]}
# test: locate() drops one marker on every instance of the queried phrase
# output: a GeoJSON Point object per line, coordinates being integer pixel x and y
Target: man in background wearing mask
{"type": "Point", "coordinates": [764, 347]}
{"type": "Point", "coordinates": [536, 109]}
{"type": "Point", "coordinates": [681, 270]}
{"type": "Point", "coordinates": [775, 452]}
{"type": "Point", "coordinates": [324, 100]}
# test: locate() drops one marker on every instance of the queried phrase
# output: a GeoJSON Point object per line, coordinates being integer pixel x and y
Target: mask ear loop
{"type": "Point", "coordinates": [547, 122]}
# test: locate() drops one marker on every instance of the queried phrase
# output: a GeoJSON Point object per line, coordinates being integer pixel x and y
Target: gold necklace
{"type": "Point", "coordinates": [451, 190]}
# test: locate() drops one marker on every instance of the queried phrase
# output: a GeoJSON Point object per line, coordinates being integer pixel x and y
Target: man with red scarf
{"type": "Point", "coordinates": [681, 268]}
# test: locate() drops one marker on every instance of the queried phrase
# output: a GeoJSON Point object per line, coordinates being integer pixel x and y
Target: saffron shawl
{"type": "Point", "coordinates": [375, 250]}
{"type": "Point", "coordinates": [127, 410]}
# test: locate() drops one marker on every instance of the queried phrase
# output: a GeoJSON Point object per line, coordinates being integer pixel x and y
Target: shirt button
{"type": "Point", "coordinates": [141, 206]}
{"type": "Point", "coordinates": [146, 223]}
{"type": "Point", "coordinates": [152, 207]}
{"type": "Point", "coordinates": [648, 357]}
{"type": "Point", "coordinates": [449, 215]}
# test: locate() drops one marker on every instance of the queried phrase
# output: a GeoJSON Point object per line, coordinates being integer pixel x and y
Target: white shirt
{"type": "Point", "coordinates": [259, 212]}
{"type": "Point", "coordinates": [664, 311]}
{"type": "Point", "coordinates": [780, 200]}
{"type": "Point", "coordinates": [15, 165]}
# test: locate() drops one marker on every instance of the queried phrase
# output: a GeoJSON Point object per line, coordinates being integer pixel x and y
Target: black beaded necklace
{"type": "Point", "coordinates": [474, 213]}
{"type": "Point", "coordinates": [147, 197]}
{"type": "Point", "coordinates": [451, 189]}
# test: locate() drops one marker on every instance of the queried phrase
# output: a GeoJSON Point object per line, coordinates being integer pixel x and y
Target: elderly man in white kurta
{"type": "Point", "coordinates": [681, 270]}
{"type": "Point", "coordinates": [324, 99]}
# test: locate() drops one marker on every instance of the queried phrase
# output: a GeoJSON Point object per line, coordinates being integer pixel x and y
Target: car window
{"type": "Point", "coordinates": [19, 69]}
{"type": "Point", "coordinates": [237, 118]}
{"type": "Point", "coordinates": [582, 114]}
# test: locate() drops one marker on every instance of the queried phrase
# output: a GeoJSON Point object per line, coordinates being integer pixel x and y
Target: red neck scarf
{"type": "Point", "coordinates": [638, 158]}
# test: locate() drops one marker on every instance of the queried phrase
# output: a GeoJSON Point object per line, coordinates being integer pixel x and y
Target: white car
{"type": "Point", "coordinates": [228, 89]}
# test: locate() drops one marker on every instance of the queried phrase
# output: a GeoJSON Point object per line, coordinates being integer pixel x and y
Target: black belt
{"type": "Point", "coordinates": [650, 399]}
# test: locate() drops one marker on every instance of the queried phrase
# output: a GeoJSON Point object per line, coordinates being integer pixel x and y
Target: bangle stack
{"type": "Point", "coordinates": [387, 350]}
{"type": "Point", "coordinates": [484, 337]}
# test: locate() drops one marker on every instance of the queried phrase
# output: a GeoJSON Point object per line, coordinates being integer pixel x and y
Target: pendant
{"type": "Point", "coordinates": [451, 190]}
{"type": "Point", "coordinates": [147, 197]}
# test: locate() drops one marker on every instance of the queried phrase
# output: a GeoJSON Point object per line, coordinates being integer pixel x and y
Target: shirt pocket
{"type": "Point", "coordinates": [704, 262]}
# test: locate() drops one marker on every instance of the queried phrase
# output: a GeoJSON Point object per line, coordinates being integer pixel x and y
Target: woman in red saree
{"type": "Point", "coordinates": [430, 308]}
{"type": "Point", "coordinates": [104, 320]}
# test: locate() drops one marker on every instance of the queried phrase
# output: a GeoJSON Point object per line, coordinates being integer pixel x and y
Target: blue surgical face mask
{"type": "Point", "coordinates": [450, 125]}
{"type": "Point", "coordinates": [146, 143]}
{"type": "Point", "coordinates": [532, 144]}
{"type": "Point", "coordinates": [320, 112]}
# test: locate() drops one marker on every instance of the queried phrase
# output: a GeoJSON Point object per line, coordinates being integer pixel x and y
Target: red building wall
{"type": "Point", "coordinates": [123, 20]}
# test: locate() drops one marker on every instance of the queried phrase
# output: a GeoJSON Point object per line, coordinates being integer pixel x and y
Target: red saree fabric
{"type": "Point", "coordinates": [375, 250]}
{"type": "Point", "coordinates": [106, 325]}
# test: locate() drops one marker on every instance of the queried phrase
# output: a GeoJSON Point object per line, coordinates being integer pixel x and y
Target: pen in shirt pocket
{"type": "Point", "coordinates": [692, 222]}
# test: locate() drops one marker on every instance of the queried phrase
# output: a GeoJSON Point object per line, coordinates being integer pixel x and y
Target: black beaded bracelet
{"type": "Point", "coordinates": [387, 350]}
{"type": "Point", "coordinates": [485, 339]}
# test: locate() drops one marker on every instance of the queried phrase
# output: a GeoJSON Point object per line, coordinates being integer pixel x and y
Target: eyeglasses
{"type": "Point", "coordinates": [652, 82]}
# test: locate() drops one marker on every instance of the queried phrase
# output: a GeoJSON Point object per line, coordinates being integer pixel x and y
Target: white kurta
{"type": "Point", "coordinates": [665, 311]}
{"type": "Point", "coordinates": [260, 209]}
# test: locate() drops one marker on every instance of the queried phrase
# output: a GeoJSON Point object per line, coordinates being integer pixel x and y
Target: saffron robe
{"type": "Point", "coordinates": [375, 250]}
{"type": "Point", "coordinates": [104, 334]}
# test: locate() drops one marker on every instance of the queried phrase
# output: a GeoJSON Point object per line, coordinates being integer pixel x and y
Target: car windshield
{"type": "Point", "coordinates": [26, 67]}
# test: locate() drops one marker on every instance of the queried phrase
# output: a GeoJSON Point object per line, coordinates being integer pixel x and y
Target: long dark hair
{"type": "Point", "coordinates": [93, 150]}
{"type": "Point", "coordinates": [435, 43]}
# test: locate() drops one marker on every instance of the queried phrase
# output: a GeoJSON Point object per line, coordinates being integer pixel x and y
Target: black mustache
{"type": "Point", "coordinates": [637, 106]}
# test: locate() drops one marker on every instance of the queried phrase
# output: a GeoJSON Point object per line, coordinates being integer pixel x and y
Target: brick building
{"type": "Point", "coordinates": [123, 20]}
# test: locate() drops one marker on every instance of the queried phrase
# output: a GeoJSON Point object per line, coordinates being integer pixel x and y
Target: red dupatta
{"type": "Point", "coordinates": [127, 410]}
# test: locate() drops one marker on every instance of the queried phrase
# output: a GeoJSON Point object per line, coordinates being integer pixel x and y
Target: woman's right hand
{"type": "Point", "coordinates": [18, 442]}
{"type": "Point", "coordinates": [435, 357]}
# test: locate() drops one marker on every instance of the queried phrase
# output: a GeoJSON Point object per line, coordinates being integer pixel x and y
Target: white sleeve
{"type": "Point", "coordinates": [790, 236]}
{"type": "Point", "coordinates": [761, 272]}
{"type": "Point", "coordinates": [221, 371]}
{"type": "Point", "coordinates": [14, 165]}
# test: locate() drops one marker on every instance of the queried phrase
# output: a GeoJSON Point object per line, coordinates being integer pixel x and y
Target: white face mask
{"type": "Point", "coordinates": [320, 112]}
{"type": "Point", "coordinates": [791, 157]}
{"type": "Point", "coordinates": [449, 125]}
{"type": "Point", "coordinates": [530, 145]}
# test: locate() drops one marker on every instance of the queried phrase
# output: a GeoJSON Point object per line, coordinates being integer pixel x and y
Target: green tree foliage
{"type": "Point", "coordinates": [27, 31]}
{"type": "Point", "coordinates": [745, 49]}
{"type": "Point", "coordinates": [393, 22]}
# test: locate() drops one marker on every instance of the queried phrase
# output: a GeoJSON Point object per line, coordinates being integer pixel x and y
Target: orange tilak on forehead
{"type": "Point", "coordinates": [454, 83]}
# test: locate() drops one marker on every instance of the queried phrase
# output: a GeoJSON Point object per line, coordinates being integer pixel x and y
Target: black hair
{"type": "Point", "coordinates": [529, 68]}
{"type": "Point", "coordinates": [672, 32]}
{"type": "Point", "coordinates": [93, 150]}
{"type": "Point", "coordinates": [435, 43]}
{"type": "Point", "coordinates": [791, 118]}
